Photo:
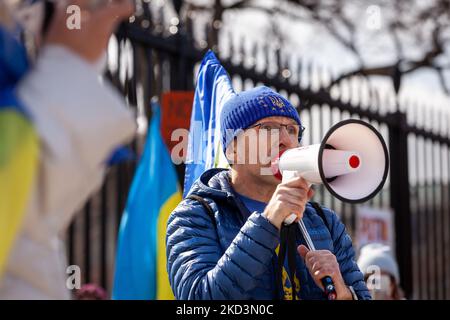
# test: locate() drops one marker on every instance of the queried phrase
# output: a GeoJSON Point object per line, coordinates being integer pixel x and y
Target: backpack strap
{"type": "Point", "coordinates": [288, 247]}
{"type": "Point", "coordinates": [321, 214]}
{"type": "Point", "coordinates": [205, 205]}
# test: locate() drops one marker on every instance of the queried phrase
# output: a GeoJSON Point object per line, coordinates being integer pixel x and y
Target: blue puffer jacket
{"type": "Point", "coordinates": [235, 260]}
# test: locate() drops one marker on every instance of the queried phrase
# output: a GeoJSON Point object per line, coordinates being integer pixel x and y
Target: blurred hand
{"type": "Point", "coordinates": [289, 197]}
{"type": "Point", "coordinates": [97, 25]}
{"type": "Point", "coordinates": [321, 263]}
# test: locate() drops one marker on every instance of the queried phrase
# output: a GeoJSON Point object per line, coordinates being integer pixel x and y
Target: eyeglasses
{"type": "Point", "coordinates": [295, 131]}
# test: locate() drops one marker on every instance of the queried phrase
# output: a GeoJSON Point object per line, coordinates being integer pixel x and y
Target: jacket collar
{"type": "Point", "coordinates": [215, 184]}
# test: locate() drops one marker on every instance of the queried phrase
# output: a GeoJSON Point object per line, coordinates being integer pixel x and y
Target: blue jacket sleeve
{"type": "Point", "coordinates": [197, 266]}
{"type": "Point", "coordinates": [345, 255]}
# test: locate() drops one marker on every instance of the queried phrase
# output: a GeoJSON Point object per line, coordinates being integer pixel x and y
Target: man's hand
{"type": "Point", "coordinates": [97, 25]}
{"type": "Point", "coordinates": [321, 263]}
{"type": "Point", "coordinates": [289, 197]}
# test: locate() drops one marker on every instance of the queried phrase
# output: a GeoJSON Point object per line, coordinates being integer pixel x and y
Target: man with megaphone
{"type": "Point", "coordinates": [244, 249]}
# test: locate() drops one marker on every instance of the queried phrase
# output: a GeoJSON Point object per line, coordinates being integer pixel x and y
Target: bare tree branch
{"type": "Point", "coordinates": [387, 70]}
{"type": "Point", "coordinates": [331, 16]}
{"type": "Point", "coordinates": [442, 81]}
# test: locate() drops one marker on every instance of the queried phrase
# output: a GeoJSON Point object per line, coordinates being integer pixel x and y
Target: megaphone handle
{"type": "Point", "coordinates": [327, 282]}
{"type": "Point", "coordinates": [286, 176]}
{"type": "Point", "coordinates": [330, 290]}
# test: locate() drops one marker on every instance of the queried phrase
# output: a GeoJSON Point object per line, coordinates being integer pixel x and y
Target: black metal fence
{"type": "Point", "coordinates": [417, 188]}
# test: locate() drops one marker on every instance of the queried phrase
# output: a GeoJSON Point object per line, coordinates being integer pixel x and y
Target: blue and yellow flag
{"type": "Point", "coordinates": [141, 271]}
{"type": "Point", "coordinates": [19, 146]}
{"type": "Point", "coordinates": [213, 89]}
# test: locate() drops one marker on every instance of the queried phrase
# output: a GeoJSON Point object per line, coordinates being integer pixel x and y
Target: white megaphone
{"type": "Point", "coordinates": [351, 161]}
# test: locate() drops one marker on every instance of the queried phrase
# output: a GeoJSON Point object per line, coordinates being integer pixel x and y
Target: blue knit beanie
{"type": "Point", "coordinates": [247, 107]}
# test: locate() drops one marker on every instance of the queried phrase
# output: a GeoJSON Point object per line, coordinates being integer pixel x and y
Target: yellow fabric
{"type": "Point", "coordinates": [286, 281]}
{"type": "Point", "coordinates": [164, 291]}
{"type": "Point", "coordinates": [18, 161]}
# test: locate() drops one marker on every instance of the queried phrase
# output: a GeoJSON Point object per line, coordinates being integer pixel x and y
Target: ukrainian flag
{"type": "Point", "coordinates": [19, 146]}
{"type": "Point", "coordinates": [212, 91]}
{"type": "Point", "coordinates": [141, 271]}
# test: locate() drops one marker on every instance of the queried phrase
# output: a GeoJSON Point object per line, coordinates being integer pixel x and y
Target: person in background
{"type": "Point", "coordinates": [79, 121]}
{"type": "Point", "coordinates": [91, 291]}
{"type": "Point", "coordinates": [380, 272]}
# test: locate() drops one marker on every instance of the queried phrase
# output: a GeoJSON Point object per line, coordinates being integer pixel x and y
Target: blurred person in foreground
{"type": "Point", "coordinates": [74, 122]}
{"type": "Point", "coordinates": [380, 272]}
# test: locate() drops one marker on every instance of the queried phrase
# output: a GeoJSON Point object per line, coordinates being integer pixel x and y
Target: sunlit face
{"type": "Point", "coordinates": [254, 148]}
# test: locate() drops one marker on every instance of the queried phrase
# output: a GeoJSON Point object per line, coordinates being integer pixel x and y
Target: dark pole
{"type": "Point", "coordinates": [181, 65]}
{"type": "Point", "coordinates": [399, 189]}
{"type": "Point", "coordinates": [400, 197]}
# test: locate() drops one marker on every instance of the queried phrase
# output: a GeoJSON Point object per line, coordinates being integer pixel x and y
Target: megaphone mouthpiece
{"type": "Point", "coordinates": [274, 166]}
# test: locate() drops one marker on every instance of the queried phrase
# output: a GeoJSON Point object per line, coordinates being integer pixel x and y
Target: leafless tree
{"type": "Point", "coordinates": [418, 31]}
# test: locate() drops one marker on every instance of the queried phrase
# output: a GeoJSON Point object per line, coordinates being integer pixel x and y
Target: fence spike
{"type": "Point", "coordinates": [438, 124]}
{"type": "Point", "coordinates": [204, 39]}
{"type": "Point", "coordinates": [387, 101]}
{"type": "Point", "coordinates": [254, 53]}
{"type": "Point", "coordinates": [278, 61]}
{"type": "Point", "coordinates": [351, 90]}
{"type": "Point", "coordinates": [310, 75]}
{"type": "Point", "coordinates": [366, 92]}
{"type": "Point", "coordinates": [320, 80]}
{"type": "Point", "coordinates": [342, 94]}
{"type": "Point", "coordinates": [448, 128]}
{"type": "Point", "coordinates": [335, 87]}
{"type": "Point", "coordinates": [327, 76]}
{"type": "Point", "coordinates": [299, 71]}
{"type": "Point", "coordinates": [361, 91]}
{"type": "Point", "coordinates": [148, 15]}
{"type": "Point", "coordinates": [266, 54]}
{"type": "Point", "coordinates": [188, 26]}
{"type": "Point", "coordinates": [444, 122]}
{"type": "Point", "coordinates": [370, 96]}
{"type": "Point", "coordinates": [162, 19]}
{"type": "Point", "coordinates": [242, 54]}
{"type": "Point", "coordinates": [231, 45]}
{"type": "Point", "coordinates": [424, 116]}
{"type": "Point", "coordinates": [415, 113]}
{"type": "Point", "coordinates": [379, 100]}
